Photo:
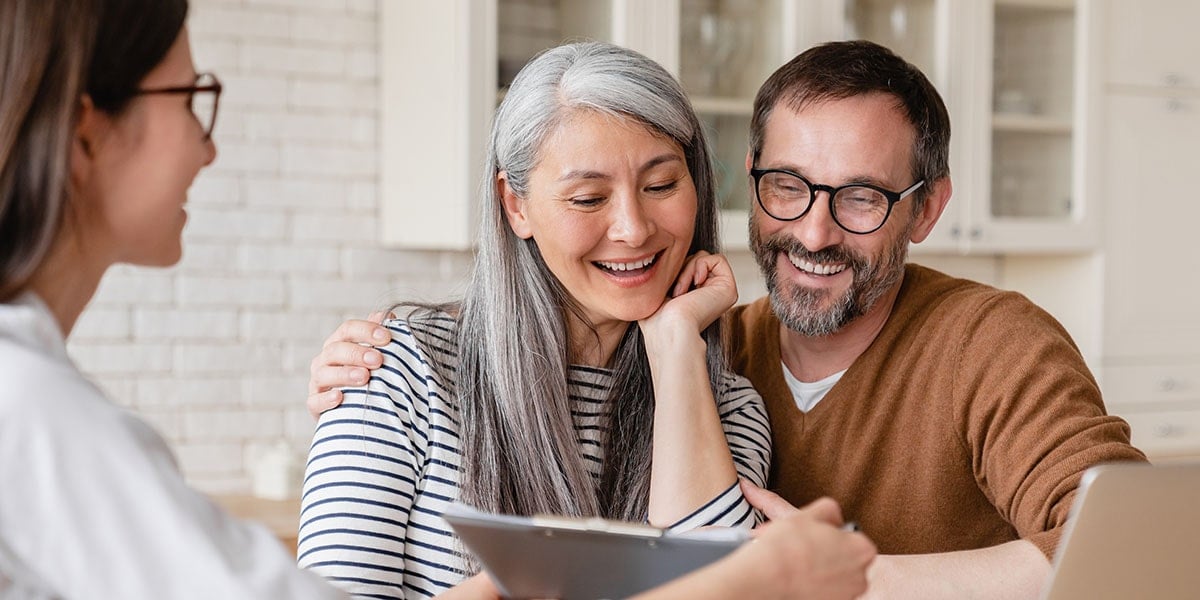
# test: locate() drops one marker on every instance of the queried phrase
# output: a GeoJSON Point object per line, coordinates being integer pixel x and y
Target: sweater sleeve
{"type": "Point", "coordinates": [364, 468]}
{"type": "Point", "coordinates": [1032, 416]}
{"type": "Point", "coordinates": [748, 434]}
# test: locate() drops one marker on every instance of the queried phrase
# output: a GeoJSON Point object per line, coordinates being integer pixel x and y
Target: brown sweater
{"type": "Point", "coordinates": [966, 423]}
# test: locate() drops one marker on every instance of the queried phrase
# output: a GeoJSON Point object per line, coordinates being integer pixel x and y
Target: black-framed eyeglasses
{"type": "Point", "coordinates": [859, 208]}
{"type": "Point", "coordinates": [203, 98]}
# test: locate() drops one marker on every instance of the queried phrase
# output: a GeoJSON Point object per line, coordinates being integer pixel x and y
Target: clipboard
{"type": "Point", "coordinates": [572, 558]}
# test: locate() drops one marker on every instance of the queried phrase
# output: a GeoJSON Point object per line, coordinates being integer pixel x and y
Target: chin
{"type": "Point", "coordinates": [163, 257]}
{"type": "Point", "coordinates": [637, 312]}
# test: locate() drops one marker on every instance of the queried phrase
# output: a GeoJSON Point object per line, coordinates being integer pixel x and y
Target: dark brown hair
{"type": "Point", "coordinates": [51, 53]}
{"type": "Point", "coordinates": [839, 70]}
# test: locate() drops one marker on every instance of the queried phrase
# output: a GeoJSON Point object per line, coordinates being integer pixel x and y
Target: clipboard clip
{"type": "Point", "coordinates": [599, 525]}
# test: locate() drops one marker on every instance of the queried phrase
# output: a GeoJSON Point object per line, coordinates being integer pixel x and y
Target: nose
{"type": "Point", "coordinates": [210, 151]}
{"type": "Point", "coordinates": [630, 222]}
{"type": "Point", "coordinates": [817, 229]}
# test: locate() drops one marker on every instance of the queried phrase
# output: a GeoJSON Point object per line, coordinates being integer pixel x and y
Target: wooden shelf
{"type": "Point", "coordinates": [723, 105]}
{"type": "Point", "coordinates": [1022, 123]}
{"type": "Point", "coordinates": [1037, 4]}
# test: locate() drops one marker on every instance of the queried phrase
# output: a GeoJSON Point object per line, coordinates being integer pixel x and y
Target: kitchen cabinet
{"type": "Point", "coordinates": [1017, 76]}
{"type": "Point", "coordinates": [1149, 44]}
{"type": "Point", "coordinates": [1018, 79]}
{"type": "Point", "coordinates": [444, 66]}
{"type": "Point", "coordinates": [1151, 123]}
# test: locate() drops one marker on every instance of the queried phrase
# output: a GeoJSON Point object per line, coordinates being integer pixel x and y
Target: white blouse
{"type": "Point", "coordinates": [92, 504]}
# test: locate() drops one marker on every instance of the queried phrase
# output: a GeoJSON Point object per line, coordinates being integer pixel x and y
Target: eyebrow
{"type": "Point", "coordinates": [650, 164]}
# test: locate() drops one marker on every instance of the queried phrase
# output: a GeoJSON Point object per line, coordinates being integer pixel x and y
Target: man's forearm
{"type": "Point", "coordinates": [1012, 570]}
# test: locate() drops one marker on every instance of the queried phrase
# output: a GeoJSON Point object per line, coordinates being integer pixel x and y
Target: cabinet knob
{"type": "Point", "coordinates": [1168, 384]}
{"type": "Point", "coordinates": [1166, 430]}
{"type": "Point", "coordinates": [976, 233]}
{"type": "Point", "coordinates": [1172, 79]}
{"type": "Point", "coordinates": [1175, 105]}
{"type": "Point", "coordinates": [955, 231]}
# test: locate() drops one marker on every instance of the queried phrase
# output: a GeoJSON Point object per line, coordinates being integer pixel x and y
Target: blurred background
{"type": "Point", "coordinates": [350, 141]}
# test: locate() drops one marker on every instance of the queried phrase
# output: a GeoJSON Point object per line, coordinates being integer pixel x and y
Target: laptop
{"type": "Point", "coordinates": [1134, 532]}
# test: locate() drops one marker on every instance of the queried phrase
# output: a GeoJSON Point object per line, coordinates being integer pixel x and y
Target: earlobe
{"type": "Point", "coordinates": [83, 142]}
{"type": "Point", "coordinates": [514, 207]}
{"type": "Point", "coordinates": [931, 211]}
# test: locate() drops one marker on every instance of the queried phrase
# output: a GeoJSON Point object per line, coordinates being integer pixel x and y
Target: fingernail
{"type": "Point", "coordinates": [373, 359]}
{"type": "Point", "coordinates": [380, 335]}
{"type": "Point", "coordinates": [360, 377]}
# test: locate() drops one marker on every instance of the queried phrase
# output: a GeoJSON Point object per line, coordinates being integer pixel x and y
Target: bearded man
{"type": "Point", "coordinates": [952, 420]}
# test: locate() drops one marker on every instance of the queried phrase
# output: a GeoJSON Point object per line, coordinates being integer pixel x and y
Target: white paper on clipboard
{"type": "Point", "coordinates": [569, 558]}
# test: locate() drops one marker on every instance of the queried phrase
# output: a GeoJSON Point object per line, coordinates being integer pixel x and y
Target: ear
{"type": "Point", "coordinates": [514, 207]}
{"type": "Point", "coordinates": [749, 161]}
{"type": "Point", "coordinates": [935, 203]}
{"type": "Point", "coordinates": [86, 140]}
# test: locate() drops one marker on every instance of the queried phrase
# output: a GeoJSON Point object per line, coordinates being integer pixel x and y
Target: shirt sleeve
{"type": "Point", "coordinates": [363, 472]}
{"type": "Point", "coordinates": [1033, 416]}
{"type": "Point", "coordinates": [748, 434]}
{"type": "Point", "coordinates": [94, 506]}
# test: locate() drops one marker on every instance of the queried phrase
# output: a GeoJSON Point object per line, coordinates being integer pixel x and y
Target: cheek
{"type": "Point", "coordinates": [679, 217]}
{"type": "Point", "coordinates": [763, 227]}
{"type": "Point", "coordinates": [565, 238]}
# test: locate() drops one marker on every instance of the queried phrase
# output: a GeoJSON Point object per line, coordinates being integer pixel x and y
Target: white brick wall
{"type": "Point", "coordinates": [280, 246]}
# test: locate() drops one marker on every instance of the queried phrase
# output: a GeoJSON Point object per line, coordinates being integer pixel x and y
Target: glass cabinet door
{"type": "Point", "coordinates": [526, 27]}
{"type": "Point", "coordinates": [727, 49]}
{"type": "Point", "coordinates": [1033, 98]}
{"type": "Point", "coordinates": [908, 27]}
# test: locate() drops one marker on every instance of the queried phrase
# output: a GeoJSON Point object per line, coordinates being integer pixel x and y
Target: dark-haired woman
{"type": "Point", "coordinates": [104, 123]}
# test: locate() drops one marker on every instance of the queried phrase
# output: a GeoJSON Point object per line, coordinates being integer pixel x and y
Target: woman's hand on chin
{"type": "Point", "coordinates": [704, 290]}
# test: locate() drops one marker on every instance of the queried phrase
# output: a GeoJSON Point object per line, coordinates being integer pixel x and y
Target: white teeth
{"type": "Point", "coordinates": [814, 268]}
{"type": "Point", "coordinates": [631, 266]}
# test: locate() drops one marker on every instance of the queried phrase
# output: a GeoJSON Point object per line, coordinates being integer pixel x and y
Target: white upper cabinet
{"type": "Point", "coordinates": [1146, 49]}
{"type": "Point", "coordinates": [1016, 76]}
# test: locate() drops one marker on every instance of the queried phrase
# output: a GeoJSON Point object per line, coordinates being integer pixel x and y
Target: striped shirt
{"type": "Point", "coordinates": [385, 464]}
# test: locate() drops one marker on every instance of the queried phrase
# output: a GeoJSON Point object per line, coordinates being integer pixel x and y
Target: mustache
{"type": "Point", "coordinates": [830, 254]}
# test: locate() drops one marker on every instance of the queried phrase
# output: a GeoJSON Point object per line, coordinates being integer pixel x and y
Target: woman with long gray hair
{"type": "Point", "coordinates": [582, 373]}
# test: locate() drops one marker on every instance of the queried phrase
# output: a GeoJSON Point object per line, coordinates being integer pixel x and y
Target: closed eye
{"type": "Point", "coordinates": [586, 201]}
{"type": "Point", "coordinates": [666, 187]}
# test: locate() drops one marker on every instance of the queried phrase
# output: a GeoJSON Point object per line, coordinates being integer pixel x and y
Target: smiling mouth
{"type": "Point", "coordinates": [813, 268]}
{"type": "Point", "coordinates": [628, 269]}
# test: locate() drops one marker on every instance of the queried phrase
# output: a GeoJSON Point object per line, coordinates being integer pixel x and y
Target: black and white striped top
{"type": "Point", "coordinates": [384, 465]}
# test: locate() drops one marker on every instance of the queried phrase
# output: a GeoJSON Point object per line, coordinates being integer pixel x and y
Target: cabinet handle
{"type": "Point", "coordinates": [1173, 79]}
{"type": "Point", "coordinates": [1175, 105]}
{"type": "Point", "coordinates": [1168, 384]}
{"type": "Point", "coordinates": [1164, 430]}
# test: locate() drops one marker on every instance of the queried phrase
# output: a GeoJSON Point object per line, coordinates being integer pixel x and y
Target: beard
{"type": "Point", "coordinates": [816, 312]}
